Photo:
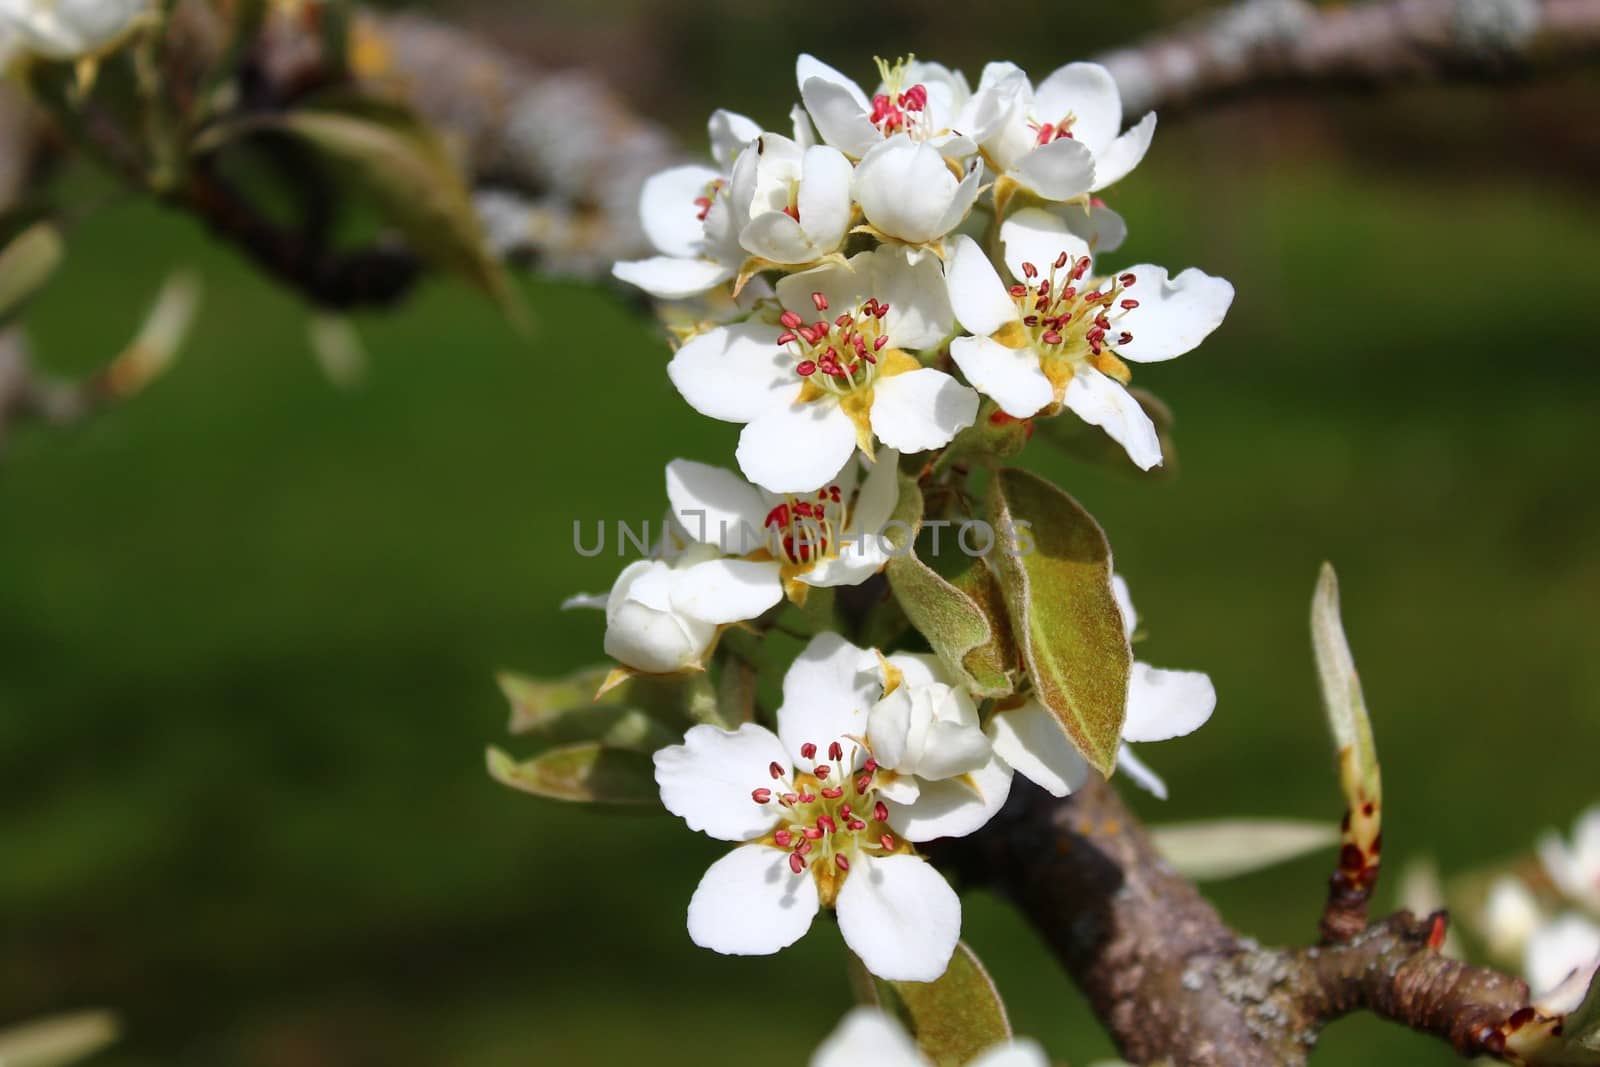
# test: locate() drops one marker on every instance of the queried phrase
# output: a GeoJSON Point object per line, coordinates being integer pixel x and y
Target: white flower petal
{"type": "Point", "coordinates": [795, 448]}
{"type": "Point", "coordinates": [735, 373]}
{"type": "Point", "coordinates": [898, 788]}
{"type": "Point", "coordinates": [670, 278]}
{"type": "Point", "coordinates": [1088, 93]}
{"type": "Point", "coordinates": [1103, 229]}
{"type": "Point", "coordinates": [961, 201]}
{"type": "Point", "coordinates": [1173, 315]}
{"type": "Point", "coordinates": [1559, 948]}
{"type": "Point", "coordinates": [1164, 704]}
{"type": "Point", "coordinates": [839, 116]}
{"type": "Point", "coordinates": [953, 807]}
{"type": "Point", "coordinates": [707, 780]}
{"type": "Point", "coordinates": [1103, 402]}
{"type": "Point", "coordinates": [826, 694]}
{"type": "Point", "coordinates": [879, 495]}
{"type": "Point", "coordinates": [641, 629]}
{"type": "Point", "coordinates": [868, 1038]}
{"type": "Point", "coordinates": [1140, 772]}
{"type": "Point", "coordinates": [921, 409]}
{"type": "Point", "coordinates": [722, 591]}
{"type": "Point", "coordinates": [808, 66]}
{"type": "Point", "coordinates": [905, 189]}
{"type": "Point", "coordinates": [715, 506]}
{"type": "Point", "coordinates": [977, 295]}
{"type": "Point", "coordinates": [750, 904]}
{"type": "Point", "coordinates": [668, 211]}
{"type": "Point", "coordinates": [1124, 599]}
{"type": "Point", "coordinates": [900, 916]}
{"type": "Point", "coordinates": [586, 600]}
{"type": "Point", "coordinates": [919, 314]}
{"type": "Point", "coordinates": [824, 197]}
{"type": "Point", "coordinates": [1012, 377]}
{"type": "Point", "coordinates": [858, 559]}
{"type": "Point", "coordinates": [1036, 747]}
{"type": "Point", "coordinates": [919, 668]}
{"type": "Point", "coordinates": [1059, 170]}
{"type": "Point", "coordinates": [1023, 1052]}
{"type": "Point", "coordinates": [730, 134]}
{"type": "Point", "coordinates": [1036, 236]}
{"type": "Point", "coordinates": [1116, 160]}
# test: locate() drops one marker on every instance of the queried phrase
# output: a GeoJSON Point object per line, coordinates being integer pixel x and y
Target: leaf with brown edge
{"type": "Point", "coordinates": [954, 1018]}
{"type": "Point", "coordinates": [1054, 566]}
{"type": "Point", "coordinates": [585, 773]}
{"type": "Point", "coordinates": [971, 641]}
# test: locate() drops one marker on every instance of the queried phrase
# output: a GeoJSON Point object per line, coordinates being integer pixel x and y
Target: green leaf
{"type": "Point", "coordinates": [1090, 444]}
{"type": "Point", "coordinates": [26, 264]}
{"type": "Point", "coordinates": [964, 628]}
{"type": "Point", "coordinates": [1342, 698]}
{"type": "Point", "coordinates": [954, 1018]}
{"type": "Point", "coordinates": [536, 702]}
{"type": "Point", "coordinates": [391, 155]}
{"type": "Point", "coordinates": [1214, 849]}
{"type": "Point", "coordinates": [585, 773]}
{"type": "Point", "coordinates": [57, 1040]}
{"type": "Point", "coordinates": [1054, 566]}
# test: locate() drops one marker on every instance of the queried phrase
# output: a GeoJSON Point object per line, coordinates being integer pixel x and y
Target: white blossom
{"type": "Point", "coordinates": [1560, 962]}
{"type": "Point", "coordinates": [1509, 918]}
{"type": "Point", "coordinates": [916, 99]}
{"type": "Point", "coordinates": [831, 537]}
{"type": "Point", "coordinates": [1061, 139]}
{"type": "Point", "coordinates": [663, 617]}
{"type": "Point", "coordinates": [70, 29]}
{"type": "Point", "coordinates": [868, 1037]}
{"type": "Point", "coordinates": [1054, 337]}
{"type": "Point", "coordinates": [1575, 868]}
{"type": "Point", "coordinates": [831, 371]}
{"type": "Point", "coordinates": [1162, 704]}
{"type": "Point", "coordinates": [812, 829]}
{"type": "Point", "coordinates": [908, 193]}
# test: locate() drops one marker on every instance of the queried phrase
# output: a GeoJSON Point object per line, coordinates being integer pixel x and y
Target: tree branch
{"type": "Point", "coordinates": [1261, 46]}
{"type": "Point", "coordinates": [1171, 981]}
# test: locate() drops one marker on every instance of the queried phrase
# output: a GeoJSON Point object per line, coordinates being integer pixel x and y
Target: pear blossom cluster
{"type": "Point", "coordinates": [862, 292]}
{"type": "Point", "coordinates": [1553, 929]}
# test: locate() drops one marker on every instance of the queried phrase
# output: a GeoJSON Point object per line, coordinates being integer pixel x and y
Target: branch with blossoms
{"type": "Point", "coordinates": [893, 297]}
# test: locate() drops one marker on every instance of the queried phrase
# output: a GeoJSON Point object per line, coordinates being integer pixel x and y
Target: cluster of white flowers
{"type": "Point", "coordinates": [66, 29]}
{"type": "Point", "coordinates": [844, 280]}
{"type": "Point", "coordinates": [1557, 941]}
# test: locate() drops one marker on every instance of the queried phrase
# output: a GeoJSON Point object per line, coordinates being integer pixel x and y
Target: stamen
{"type": "Point", "coordinates": [880, 811]}
{"type": "Point", "coordinates": [775, 770]}
{"type": "Point", "coordinates": [782, 838]}
{"type": "Point", "coordinates": [836, 750]}
{"type": "Point", "coordinates": [796, 864]}
{"type": "Point", "coordinates": [841, 861]}
{"type": "Point", "coordinates": [761, 796]}
{"type": "Point", "coordinates": [819, 301]}
{"type": "Point", "coordinates": [807, 751]}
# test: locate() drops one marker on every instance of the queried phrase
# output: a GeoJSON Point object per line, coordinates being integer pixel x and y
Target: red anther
{"type": "Point", "coordinates": [1127, 280]}
{"type": "Point", "coordinates": [1091, 296]}
{"type": "Point", "coordinates": [1069, 292]}
{"type": "Point", "coordinates": [819, 301]}
{"type": "Point", "coordinates": [856, 824]}
{"type": "Point", "coordinates": [822, 770]}
{"type": "Point", "coordinates": [870, 766]}
{"type": "Point", "coordinates": [1029, 270]}
{"type": "Point", "coordinates": [1030, 320]}
{"type": "Point", "coordinates": [775, 770]}
{"type": "Point", "coordinates": [1051, 337]}
{"type": "Point", "coordinates": [880, 311]}
{"type": "Point", "coordinates": [791, 320]}
{"type": "Point", "coordinates": [1042, 304]}
{"type": "Point", "coordinates": [880, 811]}
{"type": "Point", "coordinates": [796, 864]}
{"type": "Point", "coordinates": [833, 493]}
{"type": "Point", "coordinates": [887, 841]}
{"type": "Point", "coordinates": [833, 792]}
{"type": "Point", "coordinates": [1018, 290]}
{"type": "Point", "coordinates": [704, 204]}
{"type": "Point", "coordinates": [787, 337]}
{"type": "Point", "coordinates": [844, 319]}
{"type": "Point", "coordinates": [808, 751]}
{"type": "Point", "coordinates": [1128, 305]}
{"type": "Point", "coordinates": [804, 847]}
{"type": "Point", "coordinates": [863, 783]}
{"type": "Point", "coordinates": [806, 368]}
{"type": "Point", "coordinates": [1061, 261]}
{"type": "Point", "coordinates": [826, 824]}
{"type": "Point", "coordinates": [844, 810]}
{"type": "Point", "coordinates": [1095, 201]}
{"type": "Point", "coordinates": [1044, 287]}
{"type": "Point", "coordinates": [840, 861]}
{"type": "Point", "coordinates": [790, 800]}
{"type": "Point", "coordinates": [1102, 322]}
{"type": "Point", "coordinates": [880, 342]}
{"type": "Point", "coordinates": [813, 833]}
{"type": "Point", "coordinates": [808, 798]}
{"type": "Point", "coordinates": [914, 98]}
{"type": "Point", "coordinates": [1081, 269]}
{"type": "Point", "coordinates": [761, 796]}
{"type": "Point", "coordinates": [783, 838]}
{"type": "Point", "coordinates": [1124, 337]}
{"type": "Point", "coordinates": [836, 751]}
{"type": "Point", "coordinates": [1095, 334]}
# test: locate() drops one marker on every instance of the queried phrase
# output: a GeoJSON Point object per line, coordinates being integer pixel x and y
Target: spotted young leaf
{"type": "Point", "coordinates": [952, 1019]}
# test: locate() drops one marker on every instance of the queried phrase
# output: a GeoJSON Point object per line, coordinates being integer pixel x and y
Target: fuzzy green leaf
{"type": "Point", "coordinates": [57, 1040]}
{"type": "Point", "coordinates": [960, 620]}
{"type": "Point", "coordinates": [26, 264]}
{"type": "Point", "coordinates": [954, 1018]}
{"type": "Point", "coordinates": [584, 773]}
{"type": "Point", "coordinates": [1055, 568]}
{"type": "Point", "coordinates": [1214, 849]}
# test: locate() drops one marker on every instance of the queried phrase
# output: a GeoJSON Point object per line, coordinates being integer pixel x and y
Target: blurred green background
{"type": "Point", "coordinates": [249, 622]}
